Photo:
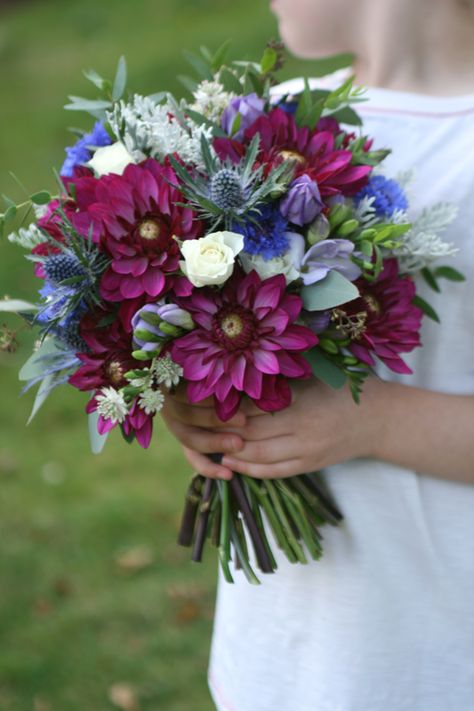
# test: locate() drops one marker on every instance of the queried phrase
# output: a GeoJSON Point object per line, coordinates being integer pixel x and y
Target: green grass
{"type": "Point", "coordinates": [72, 621]}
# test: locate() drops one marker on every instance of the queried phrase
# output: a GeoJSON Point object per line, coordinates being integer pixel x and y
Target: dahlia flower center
{"type": "Point", "coordinates": [149, 229]}
{"type": "Point", "coordinates": [293, 156]}
{"type": "Point", "coordinates": [115, 372]}
{"type": "Point", "coordinates": [234, 327]}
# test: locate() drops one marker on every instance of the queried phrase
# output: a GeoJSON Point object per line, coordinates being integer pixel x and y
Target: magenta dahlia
{"type": "Point", "coordinates": [135, 218]}
{"type": "Point", "coordinates": [312, 151]}
{"type": "Point", "coordinates": [245, 342]}
{"type": "Point", "coordinates": [383, 321]}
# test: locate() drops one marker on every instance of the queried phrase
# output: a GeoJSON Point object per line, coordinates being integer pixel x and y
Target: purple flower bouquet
{"type": "Point", "coordinates": [236, 241]}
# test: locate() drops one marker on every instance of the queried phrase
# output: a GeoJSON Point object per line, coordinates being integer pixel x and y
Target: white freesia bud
{"type": "Point", "coordinates": [287, 264]}
{"type": "Point", "coordinates": [210, 260]}
{"type": "Point", "coordinates": [110, 159]}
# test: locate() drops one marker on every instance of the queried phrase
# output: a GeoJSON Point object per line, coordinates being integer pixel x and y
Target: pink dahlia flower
{"type": "Point", "coordinates": [105, 365]}
{"type": "Point", "coordinates": [312, 151]}
{"type": "Point", "coordinates": [383, 320]}
{"type": "Point", "coordinates": [134, 217]}
{"type": "Point", "coordinates": [245, 342]}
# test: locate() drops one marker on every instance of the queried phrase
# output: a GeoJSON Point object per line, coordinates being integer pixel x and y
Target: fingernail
{"type": "Point", "coordinates": [232, 444]}
{"type": "Point", "coordinates": [229, 462]}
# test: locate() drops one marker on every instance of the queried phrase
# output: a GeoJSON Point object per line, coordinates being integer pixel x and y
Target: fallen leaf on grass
{"type": "Point", "coordinates": [134, 559]}
{"type": "Point", "coordinates": [124, 697]}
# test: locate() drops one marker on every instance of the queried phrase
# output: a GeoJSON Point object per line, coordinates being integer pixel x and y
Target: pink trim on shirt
{"type": "Point", "coordinates": [409, 112]}
{"type": "Point", "coordinates": [218, 692]}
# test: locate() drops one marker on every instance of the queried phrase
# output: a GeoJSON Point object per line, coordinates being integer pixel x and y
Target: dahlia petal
{"type": "Point", "coordinates": [293, 365]}
{"type": "Point", "coordinates": [295, 338]}
{"type": "Point", "coordinates": [135, 266]}
{"type": "Point", "coordinates": [223, 387]}
{"type": "Point", "coordinates": [266, 362]}
{"type": "Point", "coordinates": [104, 426]}
{"type": "Point", "coordinates": [292, 304]}
{"type": "Point", "coordinates": [253, 379]}
{"type": "Point", "coordinates": [153, 282]}
{"type": "Point", "coordinates": [277, 321]}
{"type": "Point", "coordinates": [270, 291]}
{"type": "Point", "coordinates": [227, 408]}
{"type": "Point", "coordinates": [144, 433]}
{"type": "Point", "coordinates": [397, 365]}
{"type": "Point", "coordinates": [130, 288]}
{"type": "Point", "coordinates": [198, 390]}
{"type": "Point", "coordinates": [237, 372]}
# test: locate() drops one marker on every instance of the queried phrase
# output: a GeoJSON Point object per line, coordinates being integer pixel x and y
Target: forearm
{"type": "Point", "coordinates": [431, 433]}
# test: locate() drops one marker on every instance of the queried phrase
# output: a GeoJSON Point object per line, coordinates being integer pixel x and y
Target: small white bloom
{"type": "Point", "coordinates": [151, 401]}
{"type": "Point", "coordinates": [211, 99]}
{"type": "Point", "coordinates": [422, 244]}
{"type": "Point", "coordinates": [287, 264]}
{"type": "Point", "coordinates": [210, 259]}
{"type": "Point", "coordinates": [111, 405]}
{"type": "Point", "coordinates": [110, 159]}
{"type": "Point", "coordinates": [166, 371]}
{"type": "Point", "coordinates": [27, 237]}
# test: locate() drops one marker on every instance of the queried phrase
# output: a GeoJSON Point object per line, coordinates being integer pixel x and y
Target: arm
{"type": "Point", "coordinates": [431, 433]}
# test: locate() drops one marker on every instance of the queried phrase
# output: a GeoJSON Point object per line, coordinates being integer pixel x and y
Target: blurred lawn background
{"type": "Point", "coordinates": [99, 608]}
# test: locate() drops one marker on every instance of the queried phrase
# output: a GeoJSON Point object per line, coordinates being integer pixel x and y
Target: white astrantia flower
{"type": "Point", "coordinates": [148, 129]}
{"type": "Point", "coordinates": [110, 159]}
{"type": "Point", "coordinates": [287, 264]}
{"type": "Point", "coordinates": [211, 99]}
{"type": "Point", "coordinates": [166, 372]}
{"type": "Point", "coordinates": [111, 405]}
{"type": "Point", "coordinates": [210, 259]}
{"type": "Point", "coordinates": [151, 401]}
{"type": "Point", "coordinates": [422, 244]}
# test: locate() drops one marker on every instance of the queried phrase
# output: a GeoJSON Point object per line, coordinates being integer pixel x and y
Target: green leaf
{"type": "Point", "coordinates": [97, 441]}
{"type": "Point", "coordinates": [430, 279]}
{"type": "Point", "coordinates": [10, 214]}
{"type": "Point", "coordinates": [229, 81]}
{"type": "Point", "coordinates": [35, 366]}
{"type": "Point", "coordinates": [220, 56]}
{"type": "Point", "coordinates": [347, 116]}
{"type": "Point", "coordinates": [17, 306]}
{"type": "Point", "coordinates": [42, 393]}
{"type": "Point", "coordinates": [332, 291]}
{"type": "Point", "coordinates": [41, 198]}
{"type": "Point", "coordinates": [201, 67]}
{"type": "Point", "coordinates": [188, 83]}
{"type": "Point", "coordinates": [120, 81]}
{"type": "Point", "coordinates": [98, 81]}
{"type": "Point", "coordinates": [325, 369]}
{"type": "Point", "coordinates": [426, 308]}
{"type": "Point", "coordinates": [268, 61]}
{"type": "Point", "coordinates": [449, 273]}
{"type": "Point", "coordinates": [8, 201]}
{"type": "Point", "coordinates": [80, 104]}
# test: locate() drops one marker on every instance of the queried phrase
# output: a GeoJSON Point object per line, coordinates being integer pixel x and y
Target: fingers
{"type": "Point", "coordinates": [203, 465]}
{"type": "Point", "coordinates": [278, 470]}
{"type": "Point", "coordinates": [203, 440]}
{"type": "Point", "coordinates": [198, 416]}
{"type": "Point", "coordinates": [268, 451]}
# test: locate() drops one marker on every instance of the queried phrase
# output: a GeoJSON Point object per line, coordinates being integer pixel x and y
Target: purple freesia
{"type": "Point", "coordinates": [327, 255]}
{"type": "Point", "coordinates": [302, 203]}
{"type": "Point", "coordinates": [249, 108]}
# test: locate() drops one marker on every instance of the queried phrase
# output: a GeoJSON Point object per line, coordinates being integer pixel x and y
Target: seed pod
{"type": "Point", "coordinates": [328, 346]}
{"type": "Point", "coordinates": [347, 228]}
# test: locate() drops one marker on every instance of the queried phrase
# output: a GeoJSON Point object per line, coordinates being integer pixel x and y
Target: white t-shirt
{"type": "Point", "coordinates": [385, 620]}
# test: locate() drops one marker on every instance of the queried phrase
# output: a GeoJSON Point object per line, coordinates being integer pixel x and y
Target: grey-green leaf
{"type": "Point", "coordinates": [324, 369]}
{"type": "Point", "coordinates": [332, 291]}
{"type": "Point", "coordinates": [97, 441]}
{"type": "Point", "coordinates": [120, 81]}
{"type": "Point", "coordinates": [17, 306]}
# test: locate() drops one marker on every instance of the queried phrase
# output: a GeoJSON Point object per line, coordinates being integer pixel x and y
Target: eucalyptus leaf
{"type": "Point", "coordinates": [17, 306]}
{"type": "Point", "coordinates": [10, 214]}
{"type": "Point", "coordinates": [41, 198]}
{"type": "Point", "coordinates": [332, 291]}
{"type": "Point", "coordinates": [35, 366]}
{"type": "Point", "coordinates": [430, 279]}
{"type": "Point", "coordinates": [325, 369]}
{"type": "Point", "coordinates": [42, 393]}
{"type": "Point", "coordinates": [426, 308]}
{"type": "Point", "coordinates": [80, 104]}
{"type": "Point", "coordinates": [449, 273]}
{"type": "Point", "coordinates": [120, 81]}
{"type": "Point", "coordinates": [97, 441]}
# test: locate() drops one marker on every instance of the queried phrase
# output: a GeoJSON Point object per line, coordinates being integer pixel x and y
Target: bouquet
{"type": "Point", "coordinates": [236, 241]}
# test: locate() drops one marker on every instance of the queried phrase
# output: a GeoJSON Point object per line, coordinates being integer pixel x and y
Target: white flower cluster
{"type": "Point", "coordinates": [166, 371]}
{"type": "Point", "coordinates": [27, 237]}
{"type": "Point", "coordinates": [211, 99]}
{"type": "Point", "coordinates": [111, 405]}
{"type": "Point", "coordinates": [151, 401]}
{"type": "Point", "coordinates": [147, 130]}
{"type": "Point", "coordinates": [422, 243]}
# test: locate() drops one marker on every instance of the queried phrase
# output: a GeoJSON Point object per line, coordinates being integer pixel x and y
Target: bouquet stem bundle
{"type": "Point", "coordinates": [222, 511]}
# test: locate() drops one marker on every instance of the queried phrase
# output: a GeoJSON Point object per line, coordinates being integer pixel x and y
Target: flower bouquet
{"type": "Point", "coordinates": [235, 241]}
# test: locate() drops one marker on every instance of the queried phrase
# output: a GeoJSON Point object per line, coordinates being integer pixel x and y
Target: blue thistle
{"type": "Point", "coordinates": [264, 232]}
{"type": "Point", "coordinates": [387, 193]}
{"type": "Point", "coordinates": [225, 190]}
{"type": "Point", "coordinates": [59, 267]}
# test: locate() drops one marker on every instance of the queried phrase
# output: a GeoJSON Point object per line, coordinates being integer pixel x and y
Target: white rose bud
{"type": "Point", "coordinates": [110, 159]}
{"type": "Point", "coordinates": [210, 260]}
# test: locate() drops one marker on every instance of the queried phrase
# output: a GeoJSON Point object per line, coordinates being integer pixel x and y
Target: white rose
{"type": "Point", "coordinates": [110, 159]}
{"type": "Point", "coordinates": [210, 259]}
{"type": "Point", "coordinates": [287, 264]}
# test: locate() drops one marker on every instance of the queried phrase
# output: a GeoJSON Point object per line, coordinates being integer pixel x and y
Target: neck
{"type": "Point", "coordinates": [424, 46]}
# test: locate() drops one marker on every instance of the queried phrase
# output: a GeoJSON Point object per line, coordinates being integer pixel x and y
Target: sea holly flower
{"type": "Point", "coordinates": [327, 255]}
{"type": "Point", "coordinates": [210, 259]}
{"type": "Point", "coordinates": [383, 321]}
{"type": "Point", "coordinates": [302, 203]}
{"type": "Point", "coordinates": [245, 342]}
{"type": "Point", "coordinates": [135, 218]}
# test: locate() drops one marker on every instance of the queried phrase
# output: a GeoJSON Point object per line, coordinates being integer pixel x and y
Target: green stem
{"type": "Point", "coordinates": [259, 521]}
{"type": "Point", "coordinates": [285, 522]}
{"type": "Point", "coordinates": [263, 497]}
{"type": "Point", "coordinates": [246, 567]}
{"type": "Point", "coordinates": [224, 543]}
{"type": "Point", "coordinates": [297, 512]}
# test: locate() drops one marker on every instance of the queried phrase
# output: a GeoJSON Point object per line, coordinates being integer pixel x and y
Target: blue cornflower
{"type": "Point", "coordinates": [387, 193]}
{"type": "Point", "coordinates": [265, 233]}
{"type": "Point", "coordinates": [289, 107]}
{"type": "Point", "coordinates": [80, 153]}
